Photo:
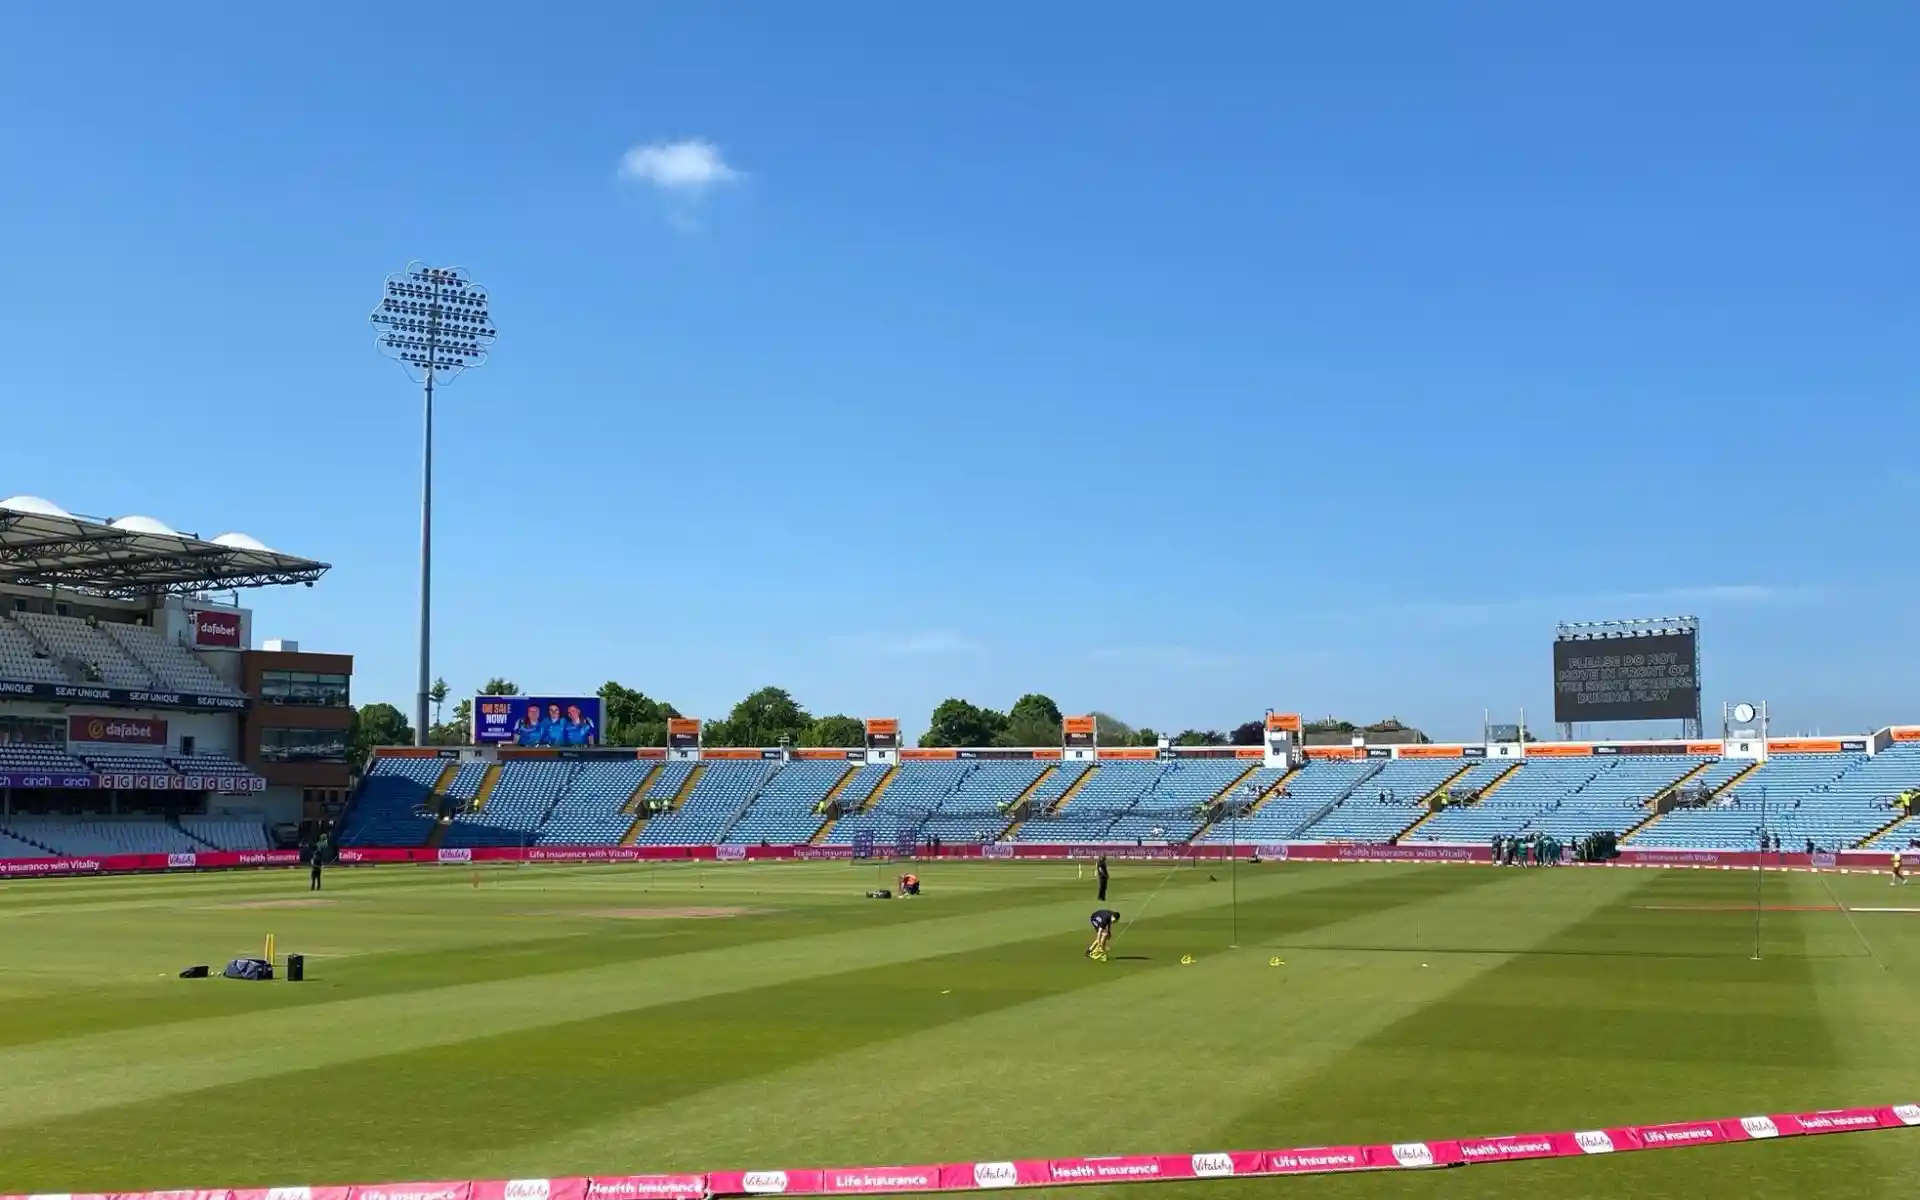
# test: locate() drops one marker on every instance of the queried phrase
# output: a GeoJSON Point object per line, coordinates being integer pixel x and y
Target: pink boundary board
{"type": "Point", "coordinates": [1060, 1172]}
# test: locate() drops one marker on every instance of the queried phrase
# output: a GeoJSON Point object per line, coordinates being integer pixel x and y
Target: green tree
{"type": "Point", "coordinates": [632, 718]}
{"type": "Point", "coordinates": [376, 725]}
{"type": "Point", "coordinates": [500, 687]}
{"type": "Point", "coordinates": [1200, 737]}
{"type": "Point", "coordinates": [1034, 720]}
{"type": "Point", "coordinates": [1112, 731]}
{"type": "Point", "coordinates": [457, 732]}
{"type": "Point", "coordinates": [836, 730]}
{"type": "Point", "coordinates": [1252, 733]}
{"type": "Point", "coordinates": [438, 695]}
{"type": "Point", "coordinates": [956, 722]}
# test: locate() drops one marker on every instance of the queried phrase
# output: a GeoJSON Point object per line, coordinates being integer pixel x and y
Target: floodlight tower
{"type": "Point", "coordinates": [434, 322]}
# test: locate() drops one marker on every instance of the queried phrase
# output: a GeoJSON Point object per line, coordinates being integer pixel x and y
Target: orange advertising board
{"type": "Point", "coordinates": [1559, 750]}
{"type": "Point", "coordinates": [1249, 752]}
{"type": "Point", "coordinates": [1704, 748]}
{"type": "Point", "coordinates": [1337, 753]}
{"type": "Point", "coordinates": [1803, 746]}
{"type": "Point", "coordinates": [1283, 722]}
{"type": "Point", "coordinates": [928, 754]}
{"type": "Point", "coordinates": [1905, 733]}
{"type": "Point", "coordinates": [1432, 751]}
{"type": "Point", "coordinates": [1130, 753]}
{"type": "Point", "coordinates": [683, 726]}
{"type": "Point", "coordinates": [1080, 725]}
{"type": "Point", "coordinates": [885, 725]}
{"type": "Point", "coordinates": [733, 753]}
{"type": "Point", "coordinates": [813, 754]}
{"type": "Point", "coordinates": [1054, 755]}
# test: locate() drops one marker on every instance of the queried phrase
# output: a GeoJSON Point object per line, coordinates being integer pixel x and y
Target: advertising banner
{"type": "Point", "coordinates": [95, 729]}
{"type": "Point", "coordinates": [551, 721]}
{"type": "Point", "coordinates": [1078, 733]}
{"type": "Point", "coordinates": [683, 734]}
{"type": "Point", "coordinates": [1626, 679]}
{"type": "Point", "coordinates": [883, 733]}
{"type": "Point", "coordinates": [216, 630]}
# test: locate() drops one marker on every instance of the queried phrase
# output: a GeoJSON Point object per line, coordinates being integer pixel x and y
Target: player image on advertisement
{"type": "Point", "coordinates": [554, 722]}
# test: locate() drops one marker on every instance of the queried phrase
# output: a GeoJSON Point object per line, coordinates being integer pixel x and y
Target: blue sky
{"type": "Point", "coordinates": [1177, 361]}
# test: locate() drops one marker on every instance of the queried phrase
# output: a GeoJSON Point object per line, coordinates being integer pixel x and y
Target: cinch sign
{"type": "Point", "coordinates": [116, 731]}
{"type": "Point", "coordinates": [220, 630]}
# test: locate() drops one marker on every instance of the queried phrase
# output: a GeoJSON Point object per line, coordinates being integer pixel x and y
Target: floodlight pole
{"type": "Point", "coordinates": [426, 563]}
{"type": "Point", "coordinates": [433, 321]}
{"type": "Point", "coordinates": [1760, 873]}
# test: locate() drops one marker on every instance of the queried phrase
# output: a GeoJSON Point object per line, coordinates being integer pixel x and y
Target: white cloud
{"type": "Point", "coordinates": [923, 644]}
{"type": "Point", "coordinates": [687, 168]}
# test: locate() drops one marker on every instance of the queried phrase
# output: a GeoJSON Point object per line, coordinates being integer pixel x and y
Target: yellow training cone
{"type": "Point", "coordinates": [1186, 960]}
{"type": "Point", "coordinates": [1276, 962]}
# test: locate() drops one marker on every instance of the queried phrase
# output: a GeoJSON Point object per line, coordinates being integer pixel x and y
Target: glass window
{"type": "Point", "coordinates": [305, 688]}
{"type": "Point", "coordinates": [33, 730]}
{"type": "Point", "coordinates": [303, 745]}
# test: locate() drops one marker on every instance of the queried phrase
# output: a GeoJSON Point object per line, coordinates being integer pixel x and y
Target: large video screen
{"type": "Point", "coordinates": [557, 721]}
{"type": "Point", "coordinates": [1625, 679]}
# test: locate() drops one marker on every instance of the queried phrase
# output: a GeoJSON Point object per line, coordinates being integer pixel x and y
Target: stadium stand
{"type": "Point", "coordinates": [73, 639]}
{"type": "Point", "coordinates": [130, 764]}
{"type": "Point", "coordinates": [721, 793]}
{"type": "Point", "coordinates": [975, 810]}
{"type": "Point", "coordinates": [33, 758]}
{"type": "Point", "coordinates": [13, 847]}
{"type": "Point", "coordinates": [520, 804]}
{"type": "Point", "coordinates": [173, 667]}
{"type": "Point", "coordinates": [783, 812]}
{"type": "Point", "coordinates": [226, 833]}
{"type": "Point", "coordinates": [1172, 808]}
{"type": "Point", "coordinates": [386, 809]}
{"type": "Point", "coordinates": [1830, 800]}
{"type": "Point", "coordinates": [466, 781]}
{"type": "Point", "coordinates": [1390, 801]}
{"type": "Point", "coordinates": [99, 835]}
{"type": "Point", "coordinates": [592, 809]}
{"type": "Point", "coordinates": [220, 764]}
{"type": "Point", "coordinates": [22, 659]}
{"type": "Point", "coordinates": [1311, 792]}
{"type": "Point", "coordinates": [1567, 798]}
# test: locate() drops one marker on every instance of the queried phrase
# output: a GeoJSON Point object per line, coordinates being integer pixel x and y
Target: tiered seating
{"type": "Point", "coordinates": [96, 836]}
{"type": "Point", "coordinates": [1564, 797]}
{"type": "Point", "coordinates": [592, 809]}
{"type": "Point", "coordinates": [70, 637]}
{"type": "Point", "coordinates": [721, 791]}
{"type": "Point", "coordinates": [783, 813]}
{"type": "Point", "coordinates": [174, 667]}
{"type": "Point", "coordinates": [227, 833]}
{"type": "Point", "coordinates": [386, 811]}
{"type": "Point", "coordinates": [859, 789]}
{"type": "Point", "coordinates": [1057, 784]}
{"type": "Point", "coordinates": [22, 660]}
{"type": "Point", "coordinates": [906, 804]}
{"type": "Point", "coordinates": [1110, 791]}
{"type": "Point", "coordinates": [13, 847]}
{"type": "Point", "coordinates": [972, 811]}
{"type": "Point", "coordinates": [517, 808]}
{"type": "Point", "coordinates": [32, 758]}
{"type": "Point", "coordinates": [129, 764]}
{"type": "Point", "coordinates": [1169, 810]}
{"type": "Point", "coordinates": [1318, 784]}
{"type": "Point", "coordinates": [220, 764]}
{"type": "Point", "coordinates": [1831, 800]}
{"type": "Point", "coordinates": [672, 777]}
{"type": "Point", "coordinates": [1388, 803]}
{"type": "Point", "coordinates": [466, 781]}
{"type": "Point", "coordinates": [1721, 773]}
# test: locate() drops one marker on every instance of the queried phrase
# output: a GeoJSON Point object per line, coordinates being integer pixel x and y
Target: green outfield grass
{"type": "Point", "coordinates": [554, 1021]}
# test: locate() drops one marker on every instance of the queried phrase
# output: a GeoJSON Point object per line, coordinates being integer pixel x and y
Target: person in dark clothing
{"type": "Point", "coordinates": [1100, 872]}
{"type": "Point", "coordinates": [313, 871]}
{"type": "Point", "coordinates": [1103, 922]}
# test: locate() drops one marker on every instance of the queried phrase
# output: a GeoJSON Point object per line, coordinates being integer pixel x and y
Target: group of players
{"type": "Point", "coordinates": [1530, 850]}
